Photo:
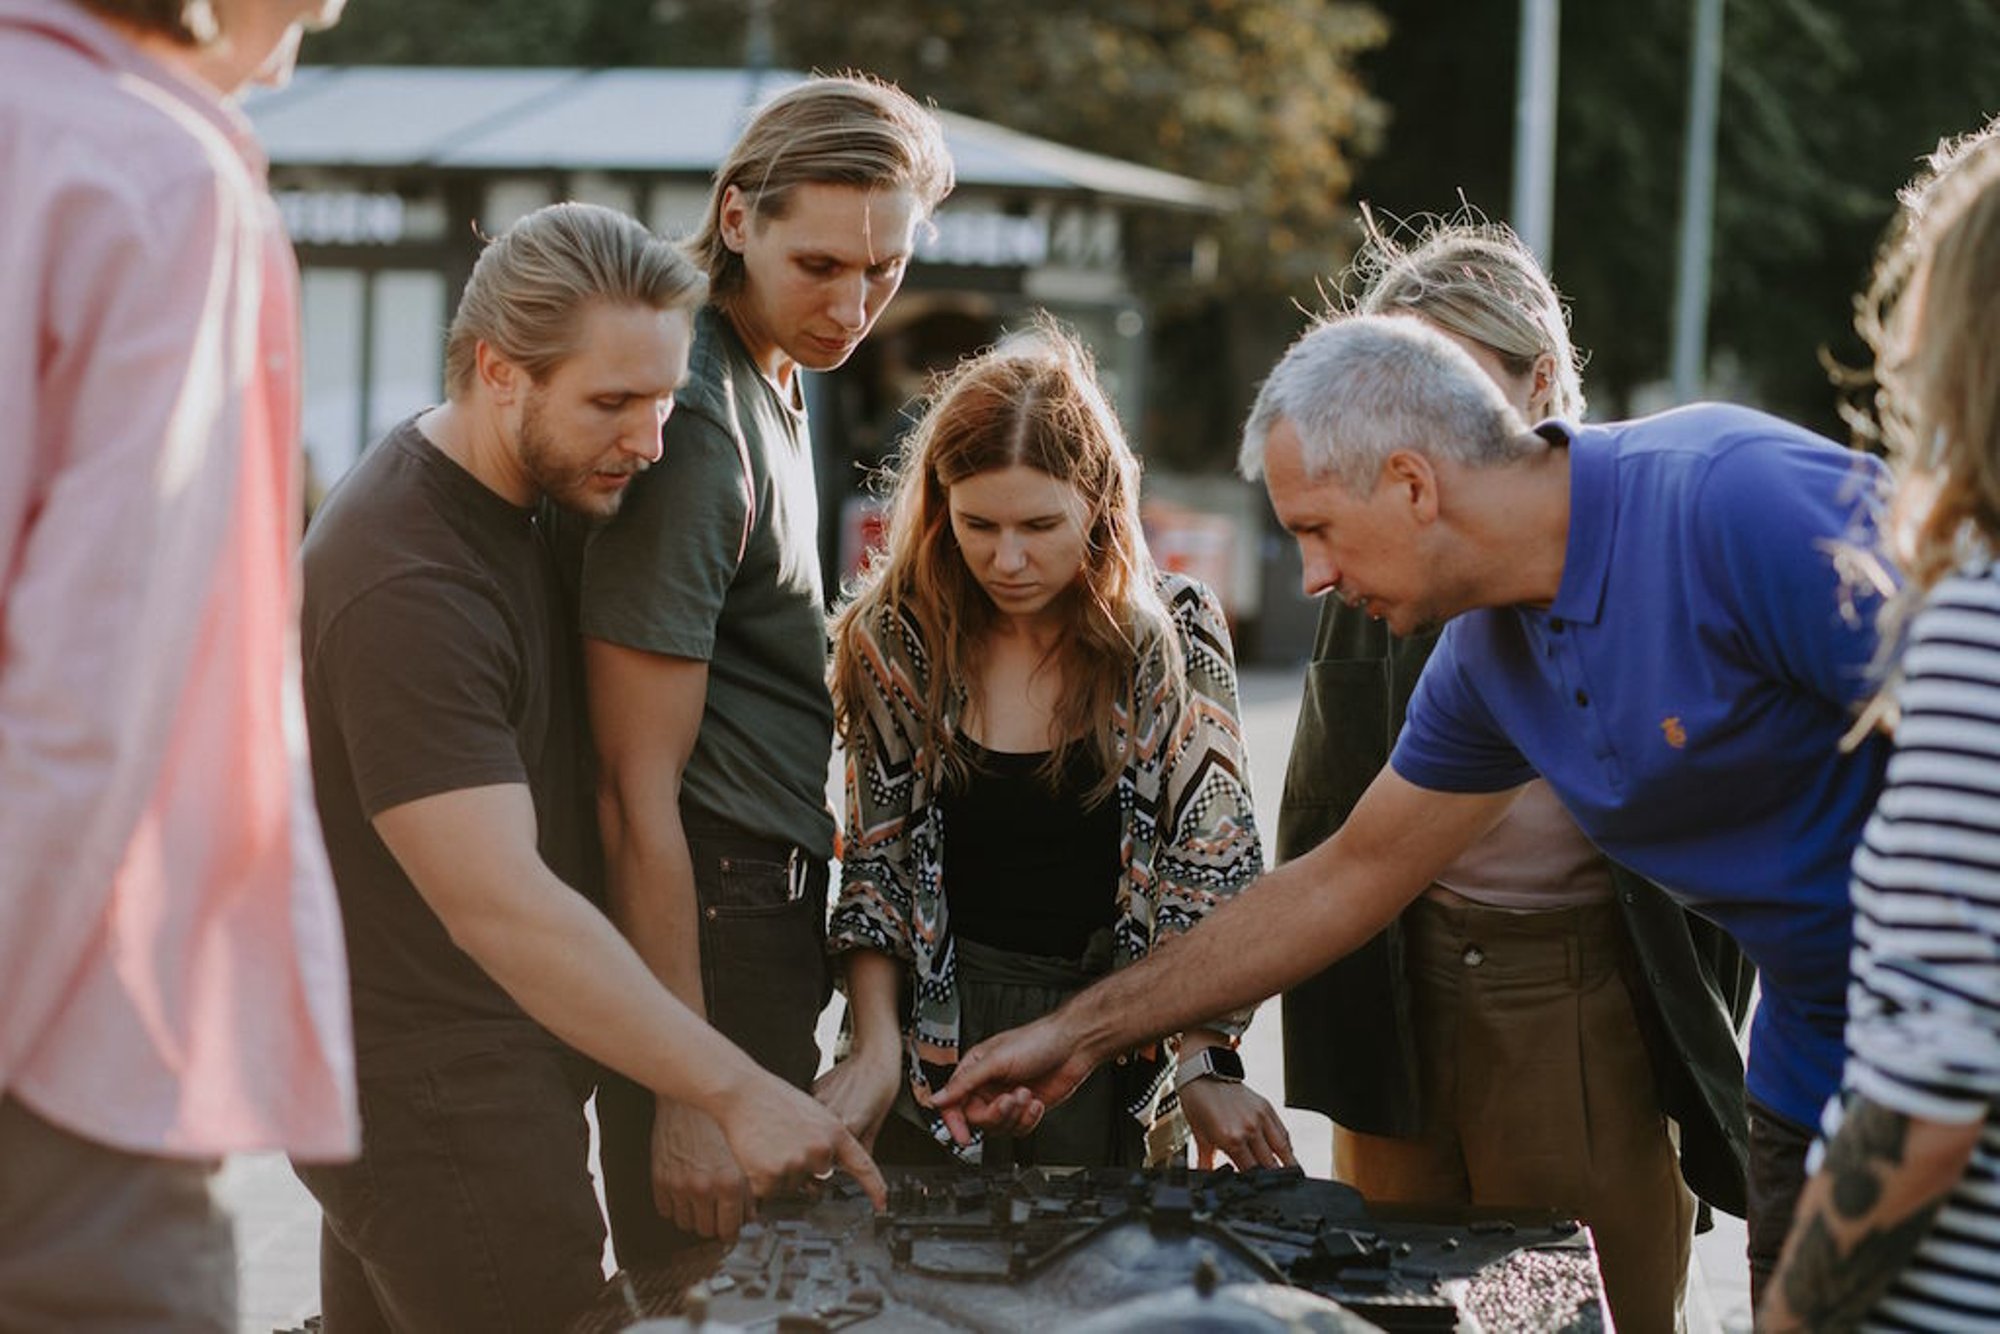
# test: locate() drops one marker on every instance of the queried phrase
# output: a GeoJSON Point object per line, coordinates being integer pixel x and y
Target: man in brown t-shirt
{"type": "Point", "coordinates": [440, 697]}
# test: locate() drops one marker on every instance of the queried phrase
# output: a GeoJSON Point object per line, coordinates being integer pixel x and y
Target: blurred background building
{"type": "Point", "coordinates": [389, 178]}
{"type": "Point", "coordinates": [1187, 197]}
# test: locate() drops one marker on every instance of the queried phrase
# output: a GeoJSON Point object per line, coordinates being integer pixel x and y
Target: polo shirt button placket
{"type": "Point", "coordinates": [1473, 956]}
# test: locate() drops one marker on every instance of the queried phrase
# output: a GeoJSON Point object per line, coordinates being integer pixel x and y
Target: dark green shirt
{"type": "Point", "coordinates": [715, 556]}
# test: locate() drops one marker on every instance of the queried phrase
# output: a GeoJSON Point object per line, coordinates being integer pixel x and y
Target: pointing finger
{"type": "Point", "coordinates": [847, 1151]}
{"type": "Point", "coordinates": [954, 1121]}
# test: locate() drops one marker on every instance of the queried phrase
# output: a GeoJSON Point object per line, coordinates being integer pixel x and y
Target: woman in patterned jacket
{"type": "Point", "coordinates": [1014, 672]}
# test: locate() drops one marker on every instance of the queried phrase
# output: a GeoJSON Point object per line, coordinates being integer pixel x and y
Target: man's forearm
{"type": "Point", "coordinates": [1285, 927]}
{"type": "Point", "coordinates": [652, 896]}
{"type": "Point", "coordinates": [1863, 1215]}
{"type": "Point", "coordinates": [572, 972]}
{"type": "Point", "coordinates": [472, 856]}
{"type": "Point", "coordinates": [1278, 932]}
{"type": "Point", "coordinates": [645, 714]}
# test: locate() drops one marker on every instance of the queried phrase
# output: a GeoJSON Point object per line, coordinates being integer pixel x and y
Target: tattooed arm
{"type": "Point", "coordinates": [1862, 1216]}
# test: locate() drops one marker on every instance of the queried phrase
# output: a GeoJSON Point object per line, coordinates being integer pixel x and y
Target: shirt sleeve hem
{"type": "Point", "coordinates": [432, 785]}
{"type": "Point", "coordinates": [1439, 778]}
{"type": "Point", "coordinates": [1887, 1088]}
{"type": "Point", "coordinates": [649, 639]}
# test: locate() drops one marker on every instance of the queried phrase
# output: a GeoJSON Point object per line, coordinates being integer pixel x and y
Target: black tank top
{"type": "Point", "coordinates": [1025, 868]}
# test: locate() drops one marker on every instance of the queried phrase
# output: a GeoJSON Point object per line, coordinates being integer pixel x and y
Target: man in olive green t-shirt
{"type": "Point", "coordinates": [704, 630]}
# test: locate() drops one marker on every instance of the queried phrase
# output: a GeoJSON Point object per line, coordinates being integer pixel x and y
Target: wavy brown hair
{"type": "Point", "coordinates": [1032, 401]}
{"type": "Point", "coordinates": [1932, 316]}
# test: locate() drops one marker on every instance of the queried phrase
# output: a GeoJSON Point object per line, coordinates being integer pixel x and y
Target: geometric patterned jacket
{"type": "Point", "coordinates": [1188, 834]}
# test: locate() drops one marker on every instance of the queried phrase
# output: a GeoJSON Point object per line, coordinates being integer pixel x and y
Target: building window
{"type": "Point", "coordinates": [374, 354]}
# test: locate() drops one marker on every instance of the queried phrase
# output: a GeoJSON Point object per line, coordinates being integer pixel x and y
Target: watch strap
{"type": "Point", "coordinates": [1204, 1064]}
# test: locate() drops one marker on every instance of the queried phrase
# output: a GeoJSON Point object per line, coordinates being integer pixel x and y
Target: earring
{"type": "Point", "coordinates": [198, 17]}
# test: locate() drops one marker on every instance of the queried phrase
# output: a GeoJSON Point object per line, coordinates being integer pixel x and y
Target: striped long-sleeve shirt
{"type": "Point", "coordinates": [1924, 1004]}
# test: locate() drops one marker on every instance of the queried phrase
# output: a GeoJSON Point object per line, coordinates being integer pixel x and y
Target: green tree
{"type": "Point", "coordinates": [1826, 105]}
{"type": "Point", "coordinates": [458, 32]}
{"type": "Point", "coordinates": [1258, 95]}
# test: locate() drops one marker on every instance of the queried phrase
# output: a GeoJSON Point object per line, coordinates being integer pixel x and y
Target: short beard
{"type": "Point", "coordinates": [565, 487]}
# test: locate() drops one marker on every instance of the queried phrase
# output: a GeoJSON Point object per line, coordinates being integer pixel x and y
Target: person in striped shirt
{"type": "Point", "coordinates": [1899, 1227]}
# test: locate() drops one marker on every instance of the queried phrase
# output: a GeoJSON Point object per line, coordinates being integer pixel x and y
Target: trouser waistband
{"type": "Point", "coordinates": [1574, 944]}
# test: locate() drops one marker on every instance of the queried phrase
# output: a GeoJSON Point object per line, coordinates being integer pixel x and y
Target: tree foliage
{"type": "Point", "coordinates": [1303, 105]}
{"type": "Point", "coordinates": [1257, 95]}
{"type": "Point", "coordinates": [1826, 105]}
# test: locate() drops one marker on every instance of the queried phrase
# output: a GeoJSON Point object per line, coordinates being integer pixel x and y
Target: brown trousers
{"type": "Point", "coordinates": [1537, 1093]}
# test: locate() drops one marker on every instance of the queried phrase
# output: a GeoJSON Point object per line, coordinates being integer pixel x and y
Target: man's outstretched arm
{"type": "Point", "coordinates": [471, 854]}
{"type": "Point", "coordinates": [1288, 925]}
{"type": "Point", "coordinates": [1863, 1215]}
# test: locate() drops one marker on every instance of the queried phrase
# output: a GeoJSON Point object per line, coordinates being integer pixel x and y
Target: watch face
{"type": "Point", "coordinates": [1227, 1064]}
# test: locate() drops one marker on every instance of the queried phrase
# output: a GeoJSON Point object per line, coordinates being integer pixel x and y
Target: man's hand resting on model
{"type": "Point", "coordinates": [1007, 1082]}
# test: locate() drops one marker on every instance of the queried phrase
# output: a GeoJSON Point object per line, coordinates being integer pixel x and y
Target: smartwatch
{"type": "Point", "coordinates": [1223, 1063]}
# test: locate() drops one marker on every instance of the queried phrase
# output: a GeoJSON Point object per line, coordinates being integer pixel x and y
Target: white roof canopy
{"type": "Point", "coordinates": [638, 120]}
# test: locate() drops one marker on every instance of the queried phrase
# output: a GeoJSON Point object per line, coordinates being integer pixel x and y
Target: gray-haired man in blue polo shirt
{"type": "Point", "coordinates": [1646, 614]}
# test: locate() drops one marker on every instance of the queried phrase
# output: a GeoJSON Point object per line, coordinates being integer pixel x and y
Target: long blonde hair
{"type": "Point", "coordinates": [1033, 400]}
{"type": "Point", "coordinates": [1932, 317]}
{"type": "Point", "coordinates": [1477, 279]}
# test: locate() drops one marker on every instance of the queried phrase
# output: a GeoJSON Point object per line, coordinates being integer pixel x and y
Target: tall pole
{"type": "Point", "coordinates": [1697, 203]}
{"type": "Point", "coordinates": [758, 42]}
{"type": "Point", "coordinates": [759, 53]}
{"type": "Point", "coordinates": [1535, 126]}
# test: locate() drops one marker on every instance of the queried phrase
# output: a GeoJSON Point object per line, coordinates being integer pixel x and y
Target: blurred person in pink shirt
{"type": "Point", "coordinates": [172, 983]}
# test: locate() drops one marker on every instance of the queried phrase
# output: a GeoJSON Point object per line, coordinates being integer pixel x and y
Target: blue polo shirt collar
{"type": "Point", "coordinates": [1593, 521]}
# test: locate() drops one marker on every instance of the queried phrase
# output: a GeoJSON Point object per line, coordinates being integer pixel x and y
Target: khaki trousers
{"type": "Point", "coordinates": [1537, 1093]}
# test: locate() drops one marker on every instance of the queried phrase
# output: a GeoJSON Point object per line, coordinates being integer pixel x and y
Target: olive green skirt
{"type": "Point", "coordinates": [1002, 989]}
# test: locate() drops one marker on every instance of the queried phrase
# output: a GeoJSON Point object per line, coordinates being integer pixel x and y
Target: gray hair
{"type": "Point", "coordinates": [1357, 388]}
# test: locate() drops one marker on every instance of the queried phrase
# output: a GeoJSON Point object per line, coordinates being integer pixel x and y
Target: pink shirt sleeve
{"type": "Point", "coordinates": [163, 898]}
{"type": "Point", "coordinates": [109, 521]}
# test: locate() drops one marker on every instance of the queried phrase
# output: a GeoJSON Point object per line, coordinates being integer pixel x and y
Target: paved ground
{"type": "Point", "coordinates": [277, 1225]}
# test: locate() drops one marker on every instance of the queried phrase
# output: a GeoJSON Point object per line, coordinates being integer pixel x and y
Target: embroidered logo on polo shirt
{"type": "Point", "coordinates": [1671, 729]}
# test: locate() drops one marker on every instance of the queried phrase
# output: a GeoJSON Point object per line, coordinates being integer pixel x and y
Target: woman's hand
{"type": "Point", "coordinates": [860, 1090]}
{"type": "Point", "coordinates": [1235, 1119]}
